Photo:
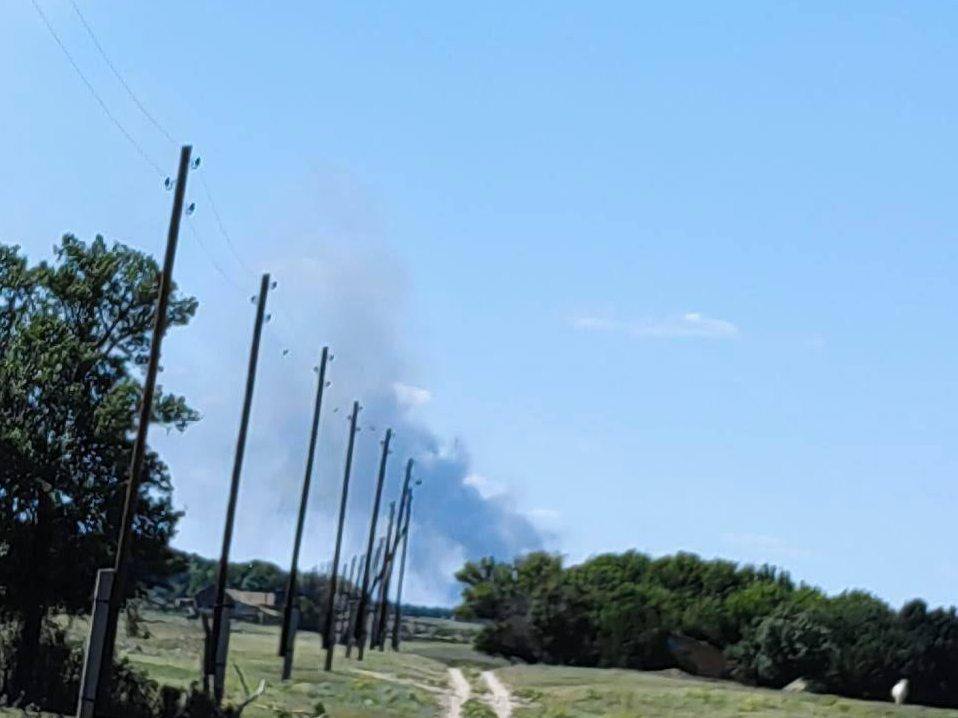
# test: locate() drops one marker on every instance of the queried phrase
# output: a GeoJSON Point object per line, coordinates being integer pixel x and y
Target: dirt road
{"type": "Point", "coordinates": [460, 693]}
{"type": "Point", "coordinates": [500, 699]}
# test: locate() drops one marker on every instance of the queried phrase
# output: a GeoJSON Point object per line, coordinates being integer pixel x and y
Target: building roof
{"type": "Point", "coordinates": [260, 599]}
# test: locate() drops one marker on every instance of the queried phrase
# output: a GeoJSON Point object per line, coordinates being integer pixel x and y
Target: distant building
{"type": "Point", "coordinates": [259, 606]}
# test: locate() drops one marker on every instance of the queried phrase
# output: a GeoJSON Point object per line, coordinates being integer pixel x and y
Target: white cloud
{"type": "Point", "coordinates": [486, 487]}
{"type": "Point", "coordinates": [691, 325]}
{"type": "Point", "coordinates": [411, 396]}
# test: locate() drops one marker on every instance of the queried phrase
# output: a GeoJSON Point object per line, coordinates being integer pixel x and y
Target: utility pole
{"type": "Point", "coordinates": [213, 660]}
{"type": "Point", "coordinates": [364, 593]}
{"type": "Point", "coordinates": [285, 640]}
{"type": "Point", "coordinates": [402, 571]}
{"type": "Point", "coordinates": [406, 485]}
{"type": "Point", "coordinates": [331, 589]}
{"type": "Point", "coordinates": [350, 632]}
{"type": "Point", "coordinates": [381, 611]}
{"type": "Point", "coordinates": [346, 593]}
{"type": "Point", "coordinates": [404, 494]}
{"type": "Point", "coordinates": [97, 699]}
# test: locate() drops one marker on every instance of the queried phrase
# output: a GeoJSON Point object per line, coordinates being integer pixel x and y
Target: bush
{"type": "Point", "coordinates": [783, 646]}
{"type": "Point", "coordinates": [54, 684]}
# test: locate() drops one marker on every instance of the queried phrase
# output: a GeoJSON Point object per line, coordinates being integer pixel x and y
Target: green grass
{"type": "Point", "coordinates": [390, 685]}
{"type": "Point", "coordinates": [560, 692]}
{"type": "Point", "coordinates": [410, 684]}
{"type": "Point", "coordinates": [454, 654]}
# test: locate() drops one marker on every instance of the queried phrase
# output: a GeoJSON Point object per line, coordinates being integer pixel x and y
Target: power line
{"type": "Point", "coordinates": [129, 90]}
{"type": "Point", "coordinates": [163, 130]}
{"type": "Point", "coordinates": [89, 85]}
{"type": "Point", "coordinates": [207, 190]}
{"type": "Point", "coordinates": [209, 255]}
{"type": "Point", "coordinates": [285, 339]}
{"type": "Point", "coordinates": [222, 226]}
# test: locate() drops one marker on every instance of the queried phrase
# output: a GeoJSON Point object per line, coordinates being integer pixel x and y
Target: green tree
{"type": "Point", "coordinates": [785, 645]}
{"type": "Point", "coordinates": [263, 576]}
{"type": "Point", "coordinates": [73, 336]}
{"type": "Point", "coordinates": [624, 610]}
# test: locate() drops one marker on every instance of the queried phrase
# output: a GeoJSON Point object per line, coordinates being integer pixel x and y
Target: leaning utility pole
{"type": "Point", "coordinates": [218, 639]}
{"type": "Point", "coordinates": [286, 640]}
{"type": "Point", "coordinates": [404, 494]}
{"type": "Point", "coordinates": [372, 587]}
{"type": "Point", "coordinates": [346, 595]}
{"type": "Point", "coordinates": [379, 629]}
{"type": "Point", "coordinates": [364, 592]}
{"type": "Point", "coordinates": [350, 629]}
{"type": "Point", "coordinates": [97, 679]}
{"type": "Point", "coordinates": [331, 588]}
{"type": "Point", "coordinates": [402, 571]}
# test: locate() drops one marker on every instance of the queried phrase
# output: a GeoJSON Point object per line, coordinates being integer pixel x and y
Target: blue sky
{"type": "Point", "coordinates": [669, 276]}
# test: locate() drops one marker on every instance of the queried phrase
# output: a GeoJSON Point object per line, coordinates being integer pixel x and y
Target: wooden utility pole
{"type": "Point", "coordinates": [350, 632]}
{"type": "Point", "coordinates": [373, 520]}
{"type": "Point", "coordinates": [101, 690]}
{"type": "Point", "coordinates": [379, 629]}
{"type": "Point", "coordinates": [219, 603]}
{"type": "Point", "coordinates": [393, 552]}
{"type": "Point", "coordinates": [346, 593]}
{"type": "Point", "coordinates": [285, 639]}
{"type": "Point", "coordinates": [402, 572]}
{"type": "Point", "coordinates": [331, 588]}
{"type": "Point", "coordinates": [406, 485]}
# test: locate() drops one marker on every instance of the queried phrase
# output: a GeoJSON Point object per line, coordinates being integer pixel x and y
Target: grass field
{"type": "Point", "coordinates": [384, 684]}
{"type": "Point", "coordinates": [559, 692]}
{"type": "Point", "coordinates": [415, 683]}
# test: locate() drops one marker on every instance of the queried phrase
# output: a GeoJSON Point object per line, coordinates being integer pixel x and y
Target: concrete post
{"type": "Point", "coordinates": [290, 643]}
{"type": "Point", "coordinates": [90, 677]}
{"type": "Point", "coordinates": [222, 643]}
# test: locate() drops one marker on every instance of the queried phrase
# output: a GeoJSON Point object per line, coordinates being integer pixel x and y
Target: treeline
{"type": "Point", "coordinates": [195, 572]}
{"type": "Point", "coordinates": [619, 610]}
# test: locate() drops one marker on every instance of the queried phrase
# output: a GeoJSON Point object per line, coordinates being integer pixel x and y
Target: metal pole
{"type": "Point", "coordinates": [221, 575]}
{"type": "Point", "coordinates": [381, 610]}
{"type": "Point", "coordinates": [331, 589]}
{"type": "Point", "coordinates": [139, 445]}
{"type": "Point", "coordinates": [364, 593]}
{"type": "Point", "coordinates": [304, 498]}
{"type": "Point", "coordinates": [402, 572]}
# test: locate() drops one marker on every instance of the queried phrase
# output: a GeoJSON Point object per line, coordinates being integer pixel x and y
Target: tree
{"type": "Point", "coordinates": [263, 576]}
{"type": "Point", "coordinates": [785, 645]}
{"type": "Point", "coordinates": [74, 334]}
{"type": "Point", "coordinates": [930, 653]}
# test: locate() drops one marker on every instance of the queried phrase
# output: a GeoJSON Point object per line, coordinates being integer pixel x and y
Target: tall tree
{"type": "Point", "coordinates": [74, 333]}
